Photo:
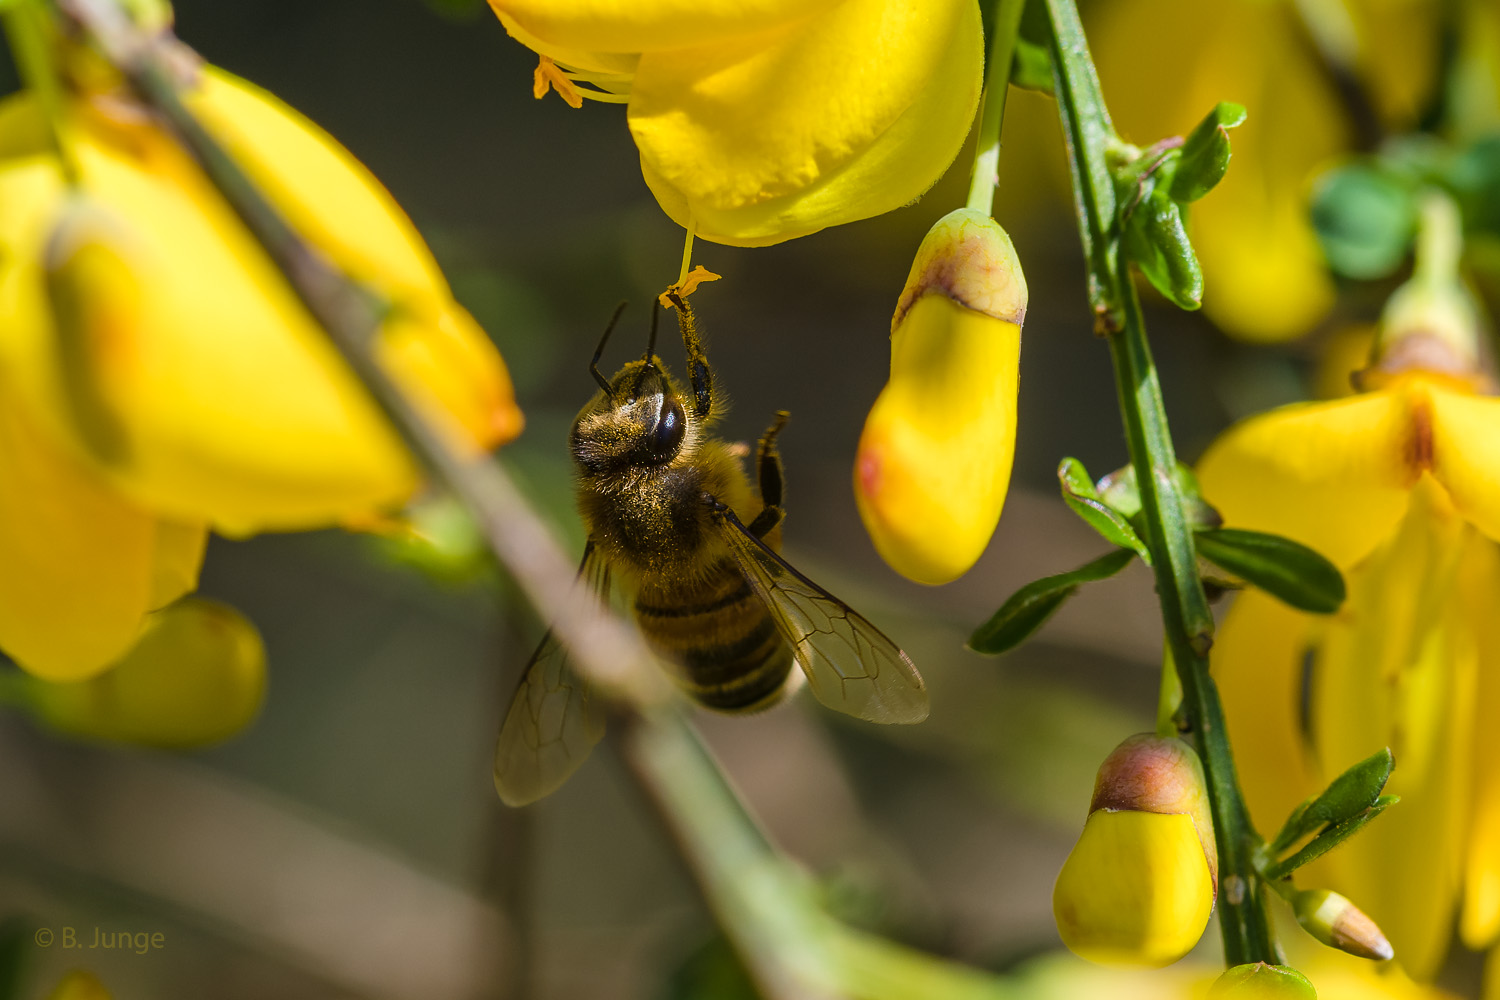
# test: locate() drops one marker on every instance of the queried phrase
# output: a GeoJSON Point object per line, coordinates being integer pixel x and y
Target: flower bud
{"type": "Point", "coordinates": [1139, 885]}
{"type": "Point", "coordinates": [197, 676]}
{"type": "Point", "coordinates": [1340, 924]}
{"type": "Point", "coordinates": [934, 459]}
{"type": "Point", "coordinates": [1259, 981]}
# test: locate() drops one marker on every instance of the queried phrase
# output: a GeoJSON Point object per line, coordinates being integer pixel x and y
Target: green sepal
{"type": "Point", "coordinates": [1365, 218]}
{"type": "Point", "coordinates": [1025, 610]}
{"type": "Point", "coordinates": [1287, 570]}
{"type": "Point", "coordinates": [1079, 493]}
{"type": "Point", "coordinates": [1330, 838]}
{"type": "Point", "coordinates": [1205, 153]}
{"type": "Point", "coordinates": [1352, 792]}
{"type": "Point", "coordinates": [1032, 68]}
{"type": "Point", "coordinates": [1156, 240]}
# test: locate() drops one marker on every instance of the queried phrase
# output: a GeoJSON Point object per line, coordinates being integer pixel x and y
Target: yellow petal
{"type": "Point", "coordinates": [1257, 660]}
{"type": "Point", "coordinates": [1479, 590]}
{"type": "Point", "coordinates": [1330, 475]}
{"type": "Point", "coordinates": [78, 559]}
{"type": "Point", "coordinates": [849, 114]}
{"type": "Point", "coordinates": [1135, 890]}
{"type": "Point", "coordinates": [177, 555]}
{"type": "Point", "coordinates": [1465, 454]}
{"type": "Point", "coordinates": [1399, 669]}
{"type": "Point", "coordinates": [197, 676]}
{"type": "Point", "coordinates": [649, 25]}
{"type": "Point", "coordinates": [1165, 63]}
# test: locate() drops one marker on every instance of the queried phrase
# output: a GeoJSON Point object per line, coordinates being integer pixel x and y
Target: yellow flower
{"type": "Point", "coordinates": [1400, 486]}
{"type": "Point", "coordinates": [157, 377]}
{"type": "Point", "coordinates": [765, 120]}
{"type": "Point", "coordinates": [1139, 885]}
{"type": "Point", "coordinates": [145, 322]}
{"type": "Point", "coordinates": [934, 460]}
{"type": "Point", "coordinates": [1164, 63]}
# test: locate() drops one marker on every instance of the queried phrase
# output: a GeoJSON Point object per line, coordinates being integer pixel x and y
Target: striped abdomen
{"type": "Point", "coordinates": [719, 636]}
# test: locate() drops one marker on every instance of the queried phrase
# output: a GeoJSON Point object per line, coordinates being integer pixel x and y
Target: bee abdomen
{"type": "Point", "coordinates": [725, 646]}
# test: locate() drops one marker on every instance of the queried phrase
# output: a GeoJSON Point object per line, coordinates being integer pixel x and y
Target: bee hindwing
{"type": "Point", "coordinates": [850, 664]}
{"type": "Point", "coordinates": [554, 720]}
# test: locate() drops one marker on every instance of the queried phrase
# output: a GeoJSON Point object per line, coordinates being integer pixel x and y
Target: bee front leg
{"type": "Point", "coordinates": [699, 374]}
{"type": "Point", "coordinates": [769, 479]}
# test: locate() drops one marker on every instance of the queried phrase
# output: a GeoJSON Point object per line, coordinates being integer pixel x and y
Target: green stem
{"type": "Point", "coordinates": [1185, 616]}
{"type": "Point", "coordinates": [986, 175]}
{"type": "Point", "coordinates": [26, 34]}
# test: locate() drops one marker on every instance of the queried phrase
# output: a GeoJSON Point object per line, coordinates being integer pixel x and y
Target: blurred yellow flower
{"type": "Point", "coordinates": [158, 378]}
{"type": "Point", "coordinates": [934, 460]}
{"type": "Point", "coordinates": [1164, 63]}
{"type": "Point", "coordinates": [1400, 486]}
{"type": "Point", "coordinates": [197, 676]}
{"type": "Point", "coordinates": [759, 121]}
{"type": "Point", "coordinates": [80, 985]}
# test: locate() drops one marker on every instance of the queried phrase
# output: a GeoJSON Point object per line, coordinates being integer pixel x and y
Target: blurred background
{"type": "Point", "coordinates": [350, 843]}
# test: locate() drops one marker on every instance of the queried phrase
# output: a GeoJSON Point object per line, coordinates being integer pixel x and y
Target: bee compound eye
{"type": "Point", "coordinates": [666, 436]}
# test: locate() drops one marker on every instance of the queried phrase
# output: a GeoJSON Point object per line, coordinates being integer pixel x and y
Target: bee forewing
{"type": "Point", "coordinates": [850, 664]}
{"type": "Point", "coordinates": [553, 721]}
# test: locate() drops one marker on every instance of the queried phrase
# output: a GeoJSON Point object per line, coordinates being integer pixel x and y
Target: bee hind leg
{"type": "Point", "coordinates": [769, 479]}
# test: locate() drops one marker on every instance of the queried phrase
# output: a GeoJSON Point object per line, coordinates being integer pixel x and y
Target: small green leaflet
{"type": "Point", "coordinates": [1285, 569]}
{"type": "Point", "coordinates": [1079, 493]}
{"type": "Point", "coordinates": [1025, 611]}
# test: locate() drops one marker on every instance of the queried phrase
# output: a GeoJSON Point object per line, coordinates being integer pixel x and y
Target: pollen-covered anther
{"type": "Point", "coordinates": [547, 76]}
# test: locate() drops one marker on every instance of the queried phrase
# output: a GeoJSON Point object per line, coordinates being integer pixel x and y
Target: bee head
{"type": "Point", "coordinates": [638, 421]}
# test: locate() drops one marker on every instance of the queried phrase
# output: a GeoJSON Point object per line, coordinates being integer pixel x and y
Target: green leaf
{"type": "Point", "coordinates": [1079, 493]}
{"type": "Point", "coordinates": [1350, 793]}
{"type": "Point", "coordinates": [1032, 68]}
{"type": "Point", "coordinates": [1365, 218]}
{"type": "Point", "coordinates": [1285, 569]}
{"type": "Point", "coordinates": [1330, 838]}
{"type": "Point", "coordinates": [1205, 153]}
{"type": "Point", "coordinates": [1156, 240]}
{"type": "Point", "coordinates": [1025, 611]}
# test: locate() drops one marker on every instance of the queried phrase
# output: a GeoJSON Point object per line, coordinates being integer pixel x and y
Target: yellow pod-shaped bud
{"type": "Point", "coordinates": [154, 335]}
{"type": "Point", "coordinates": [934, 460]}
{"type": "Point", "coordinates": [1338, 923]}
{"type": "Point", "coordinates": [197, 676]}
{"type": "Point", "coordinates": [1140, 884]}
{"type": "Point", "coordinates": [1135, 890]}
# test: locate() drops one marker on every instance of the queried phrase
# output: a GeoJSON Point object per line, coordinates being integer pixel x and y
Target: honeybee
{"type": "Point", "coordinates": [671, 517]}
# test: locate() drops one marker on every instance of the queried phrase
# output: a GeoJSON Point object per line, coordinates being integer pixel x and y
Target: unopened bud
{"type": "Point", "coordinates": [1139, 886]}
{"type": "Point", "coordinates": [934, 461]}
{"type": "Point", "coordinates": [1259, 981]}
{"type": "Point", "coordinates": [1338, 923]}
{"type": "Point", "coordinates": [196, 676]}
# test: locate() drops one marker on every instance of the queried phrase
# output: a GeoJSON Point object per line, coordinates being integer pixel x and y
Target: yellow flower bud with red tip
{"type": "Point", "coordinates": [197, 676]}
{"type": "Point", "coordinates": [934, 460]}
{"type": "Point", "coordinates": [1139, 886]}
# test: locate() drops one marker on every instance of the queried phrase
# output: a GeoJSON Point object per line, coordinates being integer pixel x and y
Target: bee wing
{"type": "Point", "coordinates": [850, 664]}
{"type": "Point", "coordinates": [554, 719]}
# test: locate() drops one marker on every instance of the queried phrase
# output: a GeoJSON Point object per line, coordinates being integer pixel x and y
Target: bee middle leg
{"type": "Point", "coordinates": [769, 479]}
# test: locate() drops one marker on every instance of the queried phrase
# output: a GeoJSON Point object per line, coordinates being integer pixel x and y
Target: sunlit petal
{"type": "Point", "coordinates": [1466, 454]}
{"type": "Point", "coordinates": [1332, 475]}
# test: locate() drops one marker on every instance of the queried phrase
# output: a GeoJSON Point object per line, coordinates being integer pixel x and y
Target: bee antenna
{"type": "Point", "coordinates": [599, 351]}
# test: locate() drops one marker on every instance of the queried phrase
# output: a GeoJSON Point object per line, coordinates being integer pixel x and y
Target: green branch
{"type": "Point", "coordinates": [985, 177]}
{"type": "Point", "coordinates": [1188, 624]}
